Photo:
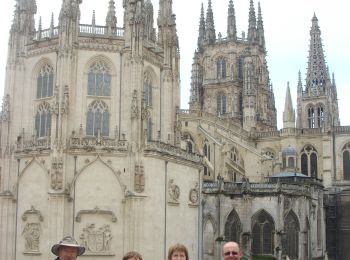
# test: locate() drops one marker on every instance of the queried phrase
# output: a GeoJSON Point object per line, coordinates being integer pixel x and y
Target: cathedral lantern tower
{"type": "Point", "coordinates": [317, 102]}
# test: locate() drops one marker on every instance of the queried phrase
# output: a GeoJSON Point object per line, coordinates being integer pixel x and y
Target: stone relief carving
{"type": "Point", "coordinates": [173, 192]}
{"type": "Point", "coordinates": [31, 231]}
{"type": "Point", "coordinates": [97, 241]}
{"type": "Point", "coordinates": [31, 234]}
{"type": "Point", "coordinates": [139, 180]}
{"type": "Point", "coordinates": [5, 111]}
{"type": "Point", "coordinates": [194, 195]}
{"type": "Point", "coordinates": [134, 105]}
{"type": "Point", "coordinates": [56, 173]}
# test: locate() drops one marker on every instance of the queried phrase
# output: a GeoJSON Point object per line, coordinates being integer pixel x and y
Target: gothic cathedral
{"type": "Point", "coordinates": [94, 143]}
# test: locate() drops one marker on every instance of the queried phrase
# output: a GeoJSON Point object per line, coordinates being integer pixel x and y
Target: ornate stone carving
{"type": "Point", "coordinates": [134, 105]}
{"type": "Point", "coordinates": [194, 196]}
{"type": "Point", "coordinates": [56, 173]}
{"type": "Point", "coordinates": [173, 193]}
{"type": "Point", "coordinates": [97, 241]}
{"type": "Point", "coordinates": [95, 211]}
{"type": "Point", "coordinates": [139, 178]}
{"type": "Point", "coordinates": [31, 234]}
{"type": "Point", "coordinates": [31, 231]}
{"type": "Point", "coordinates": [5, 111]}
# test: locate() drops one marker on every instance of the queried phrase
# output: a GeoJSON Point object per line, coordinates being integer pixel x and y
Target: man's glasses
{"type": "Point", "coordinates": [230, 253]}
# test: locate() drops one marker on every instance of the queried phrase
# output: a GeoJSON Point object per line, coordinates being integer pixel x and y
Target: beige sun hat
{"type": "Point", "coordinates": [67, 241]}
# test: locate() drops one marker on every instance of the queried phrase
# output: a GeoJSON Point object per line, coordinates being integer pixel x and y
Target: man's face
{"type": "Point", "coordinates": [67, 253]}
{"type": "Point", "coordinates": [231, 251]}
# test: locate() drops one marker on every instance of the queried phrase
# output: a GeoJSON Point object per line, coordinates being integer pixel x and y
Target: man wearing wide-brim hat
{"type": "Point", "coordinates": [67, 249]}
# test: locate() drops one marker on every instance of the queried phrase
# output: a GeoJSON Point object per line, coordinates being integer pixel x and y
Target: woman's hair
{"type": "Point", "coordinates": [177, 247]}
{"type": "Point", "coordinates": [132, 255]}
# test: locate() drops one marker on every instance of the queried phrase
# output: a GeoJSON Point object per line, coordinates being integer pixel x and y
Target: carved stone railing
{"type": "Point", "coordinates": [33, 144]}
{"type": "Point", "coordinates": [259, 188]}
{"type": "Point", "coordinates": [168, 149]}
{"type": "Point", "coordinates": [342, 129]}
{"type": "Point", "coordinates": [97, 30]}
{"type": "Point", "coordinates": [45, 34]}
{"type": "Point", "coordinates": [96, 143]}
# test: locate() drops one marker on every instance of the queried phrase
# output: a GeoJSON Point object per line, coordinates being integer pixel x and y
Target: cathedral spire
{"type": "Point", "coordinates": [111, 18]}
{"type": "Point", "coordinates": [317, 72]}
{"type": "Point", "coordinates": [231, 22]}
{"type": "Point", "coordinates": [210, 27]}
{"type": "Point", "coordinates": [201, 31]}
{"type": "Point", "coordinates": [260, 28]}
{"type": "Point", "coordinates": [23, 21]}
{"type": "Point", "coordinates": [251, 23]}
{"type": "Point", "coordinates": [288, 113]}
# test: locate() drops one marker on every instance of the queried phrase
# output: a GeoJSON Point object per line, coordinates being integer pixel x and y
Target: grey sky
{"type": "Point", "coordinates": [286, 23]}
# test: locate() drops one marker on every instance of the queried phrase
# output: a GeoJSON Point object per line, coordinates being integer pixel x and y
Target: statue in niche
{"type": "Point", "coordinates": [5, 111]}
{"type": "Point", "coordinates": [57, 173]}
{"type": "Point", "coordinates": [134, 105]}
{"type": "Point", "coordinates": [31, 234]}
{"type": "Point", "coordinates": [139, 178]}
{"type": "Point", "coordinates": [97, 241]}
{"type": "Point", "coordinates": [173, 192]}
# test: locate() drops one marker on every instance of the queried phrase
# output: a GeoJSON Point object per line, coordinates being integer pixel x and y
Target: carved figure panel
{"type": "Point", "coordinates": [173, 192]}
{"type": "Point", "coordinates": [97, 241]}
{"type": "Point", "coordinates": [194, 196]}
{"type": "Point", "coordinates": [56, 173]}
{"type": "Point", "coordinates": [31, 235]}
{"type": "Point", "coordinates": [139, 178]}
{"type": "Point", "coordinates": [134, 105]}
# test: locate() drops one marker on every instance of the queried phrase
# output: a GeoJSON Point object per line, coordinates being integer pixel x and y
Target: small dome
{"type": "Point", "coordinates": [289, 151]}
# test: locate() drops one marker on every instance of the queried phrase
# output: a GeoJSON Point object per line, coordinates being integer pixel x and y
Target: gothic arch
{"type": "Point", "coordinates": [97, 159]}
{"type": "Point", "coordinates": [34, 160]}
{"type": "Point", "coordinates": [263, 230]}
{"type": "Point", "coordinates": [191, 145]}
{"type": "Point", "coordinates": [290, 238]}
{"type": "Point", "coordinates": [43, 78]}
{"type": "Point", "coordinates": [345, 156]}
{"type": "Point", "coordinates": [209, 231]}
{"type": "Point", "coordinates": [233, 227]}
{"type": "Point", "coordinates": [37, 67]}
{"type": "Point", "coordinates": [101, 58]}
{"type": "Point", "coordinates": [309, 161]}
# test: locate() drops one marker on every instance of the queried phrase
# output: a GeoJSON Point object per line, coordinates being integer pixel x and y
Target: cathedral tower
{"type": "Point", "coordinates": [317, 102]}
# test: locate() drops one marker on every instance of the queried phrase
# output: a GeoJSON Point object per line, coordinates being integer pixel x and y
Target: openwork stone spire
{"type": "Point", "coordinates": [111, 19]}
{"type": "Point", "coordinates": [260, 28]}
{"type": "Point", "coordinates": [288, 113]}
{"type": "Point", "coordinates": [231, 22]}
{"type": "Point", "coordinates": [252, 23]}
{"type": "Point", "coordinates": [201, 31]}
{"type": "Point", "coordinates": [210, 27]}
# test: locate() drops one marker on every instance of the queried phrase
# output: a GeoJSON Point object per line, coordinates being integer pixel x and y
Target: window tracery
{"type": "Point", "coordinates": [45, 82]}
{"type": "Point", "coordinates": [99, 79]}
{"type": "Point", "coordinates": [97, 119]}
{"type": "Point", "coordinates": [309, 161]}
{"type": "Point", "coordinates": [43, 120]}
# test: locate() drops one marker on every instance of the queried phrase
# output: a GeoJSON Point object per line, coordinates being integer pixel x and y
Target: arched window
{"type": "Point", "coordinates": [189, 143]}
{"type": "Point", "coordinates": [149, 129]}
{"type": "Point", "coordinates": [311, 117]}
{"type": "Point", "coordinates": [45, 82]}
{"type": "Point", "coordinates": [262, 234]}
{"type": "Point", "coordinates": [221, 104]}
{"type": "Point", "coordinates": [233, 227]}
{"type": "Point", "coordinates": [43, 120]}
{"type": "Point", "coordinates": [97, 119]}
{"type": "Point", "coordinates": [346, 162]}
{"type": "Point", "coordinates": [290, 239]}
{"type": "Point", "coordinates": [309, 161]}
{"type": "Point", "coordinates": [99, 79]}
{"type": "Point", "coordinates": [206, 153]}
{"type": "Point", "coordinates": [221, 68]}
{"type": "Point", "coordinates": [320, 116]}
{"type": "Point", "coordinates": [147, 90]}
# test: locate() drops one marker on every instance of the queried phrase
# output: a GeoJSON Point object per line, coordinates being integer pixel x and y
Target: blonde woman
{"type": "Point", "coordinates": [178, 252]}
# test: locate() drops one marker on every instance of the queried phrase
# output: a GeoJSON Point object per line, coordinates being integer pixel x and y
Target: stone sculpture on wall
{"type": "Point", "coordinates": [194, 196]}
{"type": "Point", "coordinates": [173, 192]}
{"type": "Point", "coordinates": [139, 178]}
{"type": "Point", "coordinates": [97, 241]}
{"type": "Point", "coordinates": [31, 234]}
{"type": "Point", "coordinates": [57, 173]}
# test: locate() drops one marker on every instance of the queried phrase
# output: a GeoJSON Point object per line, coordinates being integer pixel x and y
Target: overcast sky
{"type": "Point", "coordinates": [286, 22]}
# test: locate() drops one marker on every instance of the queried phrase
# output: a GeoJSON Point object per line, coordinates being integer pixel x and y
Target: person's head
{"type": "Point", "coordinates": [231, 251]}
{"type": "Point", "coordinates": [132, 256]}
{"type": "Point", "coordinates": [178, 252]}
{"type": "Point", "coordinates": [67, 249]}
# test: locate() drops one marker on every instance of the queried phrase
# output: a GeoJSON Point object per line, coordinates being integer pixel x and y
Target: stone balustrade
{"type": "Point", "coordinates": [33, 144]}
{"type": "Point", "coordinates": [96, 143]}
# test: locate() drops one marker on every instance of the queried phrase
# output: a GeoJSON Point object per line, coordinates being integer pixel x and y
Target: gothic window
{"type": "Point", "coordinates": [263, 234]}
{"type": "Point", "coordinates": [234, 155]}
{"type": "Point", "coordinates": [221, 68]}
{"type": "Point", "coordinates": [233, 227]}
{"type": "Point", "coordinates": [240, 68]}
{"type": "Point", "coordinates": [309, 161]}
{"type": "Point", "coordinates": [290, 238]}
{"type": "Point", "coordinates": [189, 143]}
{"type": "Point", "coordinates": [206, 153]}
{"type": "Point", "coordinates": [99, 79]}
{"type": "Point", "coordinates": [311, 117]}
{"type": "Point", "coordinates": [221, 104]}
{"type": "Point", "coordinates": [43, 121]}
{"type": "Point", "coordinates": [346, 162]}
{"type": "Point", "coordinates": [45, 82]}
{"type": "Point", "coordinates": [147, 90]}
{"type": "Point", "coordinates": [97, 119]}
{"type": "Point", "coordinates": [320, 116]}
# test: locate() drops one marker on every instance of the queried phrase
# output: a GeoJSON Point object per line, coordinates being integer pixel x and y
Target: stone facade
{"type": "Point", "coordinates": [94, 145]}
